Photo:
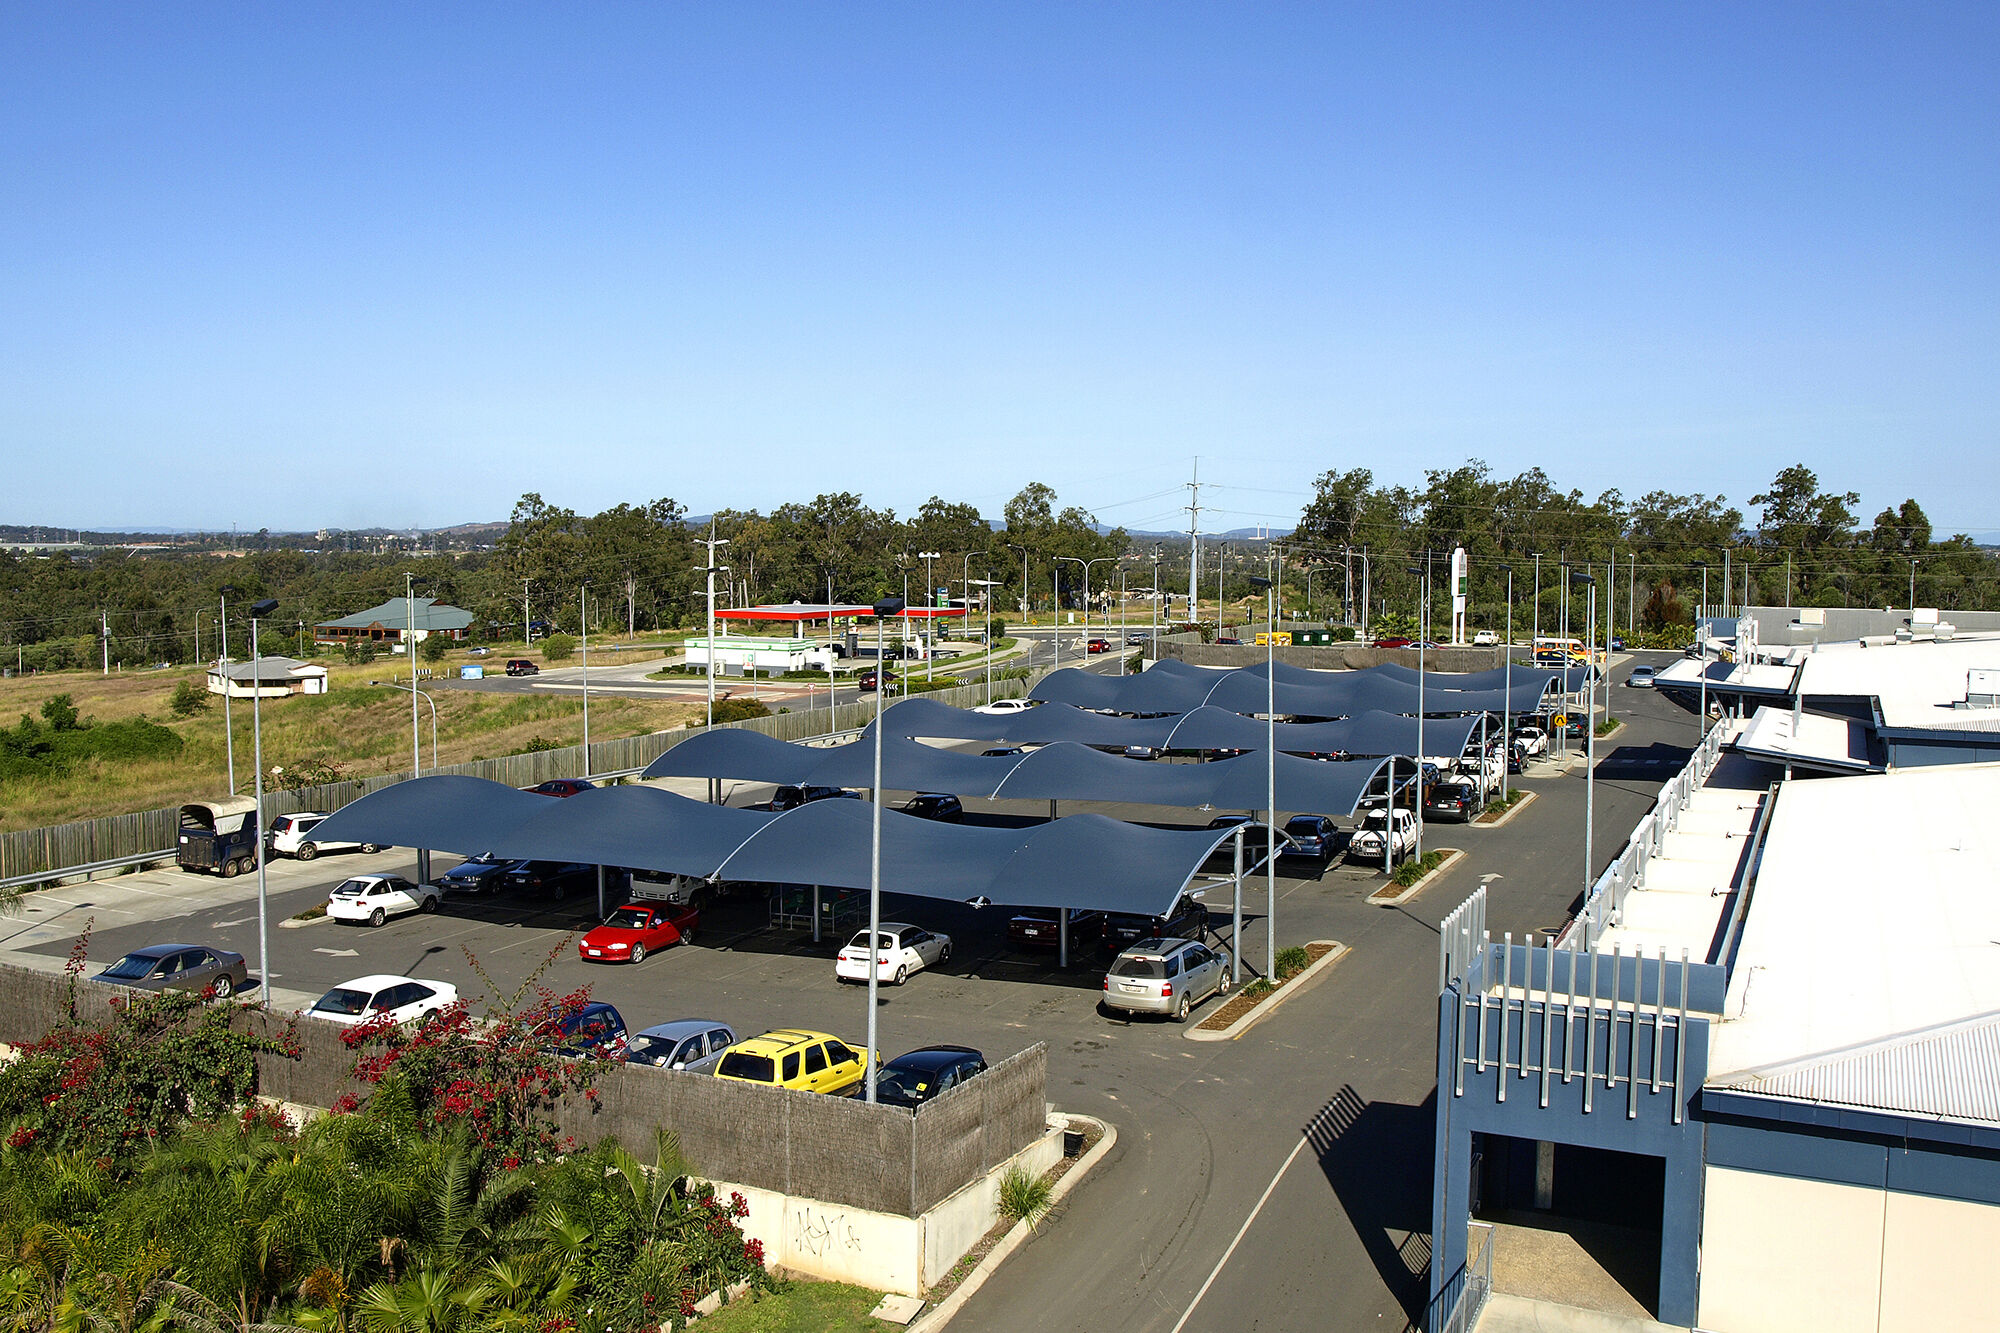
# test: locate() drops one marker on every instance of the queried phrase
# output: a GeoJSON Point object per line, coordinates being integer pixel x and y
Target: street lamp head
{"type": "Point", "coordinates": [889, 606]}
{"type": "Point", "coordinates": [1257, 582]}
{"type": "Point", "coordinates": [1578, 576]}
{"type": "Point", "coordinates": [1504, 569]}
{"type": "Point", "coordinates": [1412, 569]}
{"type": "Point", "coordinates": [263, 608]}
{"type": "Point", "coordinates": [228, 590]}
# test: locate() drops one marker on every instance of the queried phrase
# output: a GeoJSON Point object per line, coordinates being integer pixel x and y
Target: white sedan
{"type": "Point", "coordinates": [901, 950]}
{"type": "Point", "coordinates": [1006, 707]}
{"type": "Point", "coordinates": [376, 898]}
{"type": "Point", "coordinates": [365, 998]}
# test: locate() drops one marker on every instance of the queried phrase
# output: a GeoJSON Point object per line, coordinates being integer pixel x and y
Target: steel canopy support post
{"type": "Point", "coordinates": [600, 893]}
{"type": "Point", "coordinates": [1507, 703]}
{"type": "Point", "coordinates": [815, 914]}
{"type": "Point", "coordinates": [1236, 916]}
{"type": "Point", "coordinates": [1062, 937]}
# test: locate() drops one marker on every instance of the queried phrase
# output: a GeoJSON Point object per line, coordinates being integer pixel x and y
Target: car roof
{"type": "Point", "coordinates": [890, 927]}
{"type": "Point", "coordinates": [161, 950]}
{"type": "Point", "coordinates": [781, 1040]}
{"type": "Point", "coordinates": [375, 981]}
{"type": "Point", "coordinates": [683, 1027]}
{"type": "Point", "coordinates": [930, 1057]}
{"type": "Point", "coordinates": [1157, 948]}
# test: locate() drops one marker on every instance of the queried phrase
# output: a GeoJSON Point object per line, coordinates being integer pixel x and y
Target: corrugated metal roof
{"type": "Point", "coordinates": [431, 614]}
{"type": "Point", "coordinates": [267, 668]}
{"type": "Point", "coordinates": [1951, 1072]}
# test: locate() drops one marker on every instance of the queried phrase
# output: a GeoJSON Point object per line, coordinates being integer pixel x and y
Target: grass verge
{"type": "Point", "coordinates": [799, 1305]}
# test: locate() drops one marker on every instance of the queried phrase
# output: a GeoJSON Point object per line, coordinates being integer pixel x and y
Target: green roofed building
{"type": "Point", "coordinates": [389, 622]}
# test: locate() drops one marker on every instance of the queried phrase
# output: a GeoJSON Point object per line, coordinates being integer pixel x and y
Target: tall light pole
{"type": "Point", "coordinates": [1507, 702]}
{"type": "Point", "coordinates": [1270, 781]}
{"type": "Point", "coordinates": [228, 722]}
{"type": "Point", "coordinates": [258, 610]}
{"type": "Point", "coordinates": [583, 633]}
{"type": "Point", "coordinates": [1913, 591]}
{"type": "Point", "coordinates": [1590, 735]}
{"type": "Point", "coordinates": [1538, 597]}
{"type": "Point", "coordinates": [1120, 645]}
{"type": "Point", "coordinates": [396, 685]}
{"type": "Point", "coordinates": [711, 569]}
{"type": "Point", "coordinates": [892, 606]}
{"type": "Point", "coordinates": [1077, 559]}
{"type": "Point", "coordinates": [1154, 646]}
{"type": "Point", "coordinates": [930, 604]}
{"type": "Point", "coordinates": [1423, 617]}
{"type": "Point", "coordinates": [986, 605]}
{"type": "Point", "coordinates": [1220, 547]}
{"type": "Point", "coordinates": [410, 656]}
{"type": "Point", "coordinates": [1701, 650]}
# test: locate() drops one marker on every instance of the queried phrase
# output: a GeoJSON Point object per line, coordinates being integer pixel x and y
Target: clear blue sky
{"type": "Point", "coordinates": [302, 265]}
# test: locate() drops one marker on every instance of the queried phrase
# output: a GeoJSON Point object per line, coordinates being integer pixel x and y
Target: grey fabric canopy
{"type": "Point", "coordinates": [1080, 861]}
{"type": "Point", "coordinates": [726, 752]}
{"type": "Point", "coordinates": [1253, 689]}
{"type": "Point", "coordinates": [1204, 728]}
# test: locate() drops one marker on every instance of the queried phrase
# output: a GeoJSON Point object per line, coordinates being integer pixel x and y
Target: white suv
{"type": "Point", "coordinates": [291, 835]}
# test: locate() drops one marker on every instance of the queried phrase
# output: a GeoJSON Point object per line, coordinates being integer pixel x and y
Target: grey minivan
{"type": "Point", "coordinates": [1160, 976]}
{"type": "Point", "coordinates": [693, 1044]}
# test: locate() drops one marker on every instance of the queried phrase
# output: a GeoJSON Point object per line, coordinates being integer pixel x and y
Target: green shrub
{"type": "Point", "coordinates": [59, 711]}
{"type": "Point", "coordinates": [1411, 871]}
{"type": "Point", "coordinates": [1292, 961]}
{"type": "Point", "coordinates": [307, 773]}
{"type": "Point", "coordinates": [740, 710]}
{"type": "Point", "coordinates": [1025, 1198]}
{"type": "Point", "coordinates": [537, 744]}
{"type": "Point", "coordinates": [189, 700]}
{"type": "Point", "coordinates": [358, 652]}
{"type": "Point", "coordinates": [434, 648]}
{"type": "Point", "coordinates": [996, 630]}
{"type": "Point", "coordinates": [558, 648]}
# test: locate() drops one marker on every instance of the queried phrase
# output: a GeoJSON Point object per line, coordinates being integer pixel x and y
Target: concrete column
{"type": "Point", "coordinates": [1545, 1175]}
{"type": "Point", "coordinates": [815, 914]}
{"type": "Point", "coordinates": [1062, 935]}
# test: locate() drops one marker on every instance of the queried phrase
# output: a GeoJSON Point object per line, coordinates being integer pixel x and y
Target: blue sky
{"type": "Point", "coordinates": [308, 265]}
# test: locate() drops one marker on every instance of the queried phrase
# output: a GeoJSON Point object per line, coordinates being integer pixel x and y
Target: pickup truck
{"type": "Point", "coordinates": [1366, 844]}
{"type": "Point", "coordinates": [219, 836]}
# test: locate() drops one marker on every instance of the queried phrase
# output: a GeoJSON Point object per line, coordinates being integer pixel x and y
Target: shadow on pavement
{"type": "Point", "coordinates": [1377, 1157]}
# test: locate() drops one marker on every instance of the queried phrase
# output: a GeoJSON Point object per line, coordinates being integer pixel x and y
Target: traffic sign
{"type": "Point", "coordinates": [1560, 720]}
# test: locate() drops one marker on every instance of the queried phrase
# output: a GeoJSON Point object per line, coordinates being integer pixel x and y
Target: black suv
{"type": "Point", "coordinates": [1041, 928]}
{"type": "Point", "coordinates": [1188, 921]}
{"type": "Point", "coordinates": [791, 797]}
{"type": "Point", "coordinates": [1454, 802]}
{"type": "Point", "coordinates": [935, 805]}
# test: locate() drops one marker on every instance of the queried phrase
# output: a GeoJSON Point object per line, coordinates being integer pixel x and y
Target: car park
{"type": "Point", "coordinates": [291, 835]}
{"type": "Point", "coordinates": [400, 999]}
{"type": "Point", "coordinates": [1165, 977]}
{"type": "Point", "coordinates": [941, 806]}
{"type": "Point", "coordinates": [1187, 921]}
{"type": "Point", "coordinates": [793, 1058]}
{"type": "Point", "coordinates": [485, 873]}
{"type": "Point", "coordinates": [1005, 707]}
{"type": "Point", "coordinates": [914, 1077]}
{"type": "Point", "coordinates": [597, 1030]}
{"type": "Point", "coordinates": [1640, 677]}
{"type": "Point", "coordinates": [1041, 927]}
{"type": "Point", "coordinates": [190, 967]}
{"type": "Point", "coordinates": [790, 797]}
{"type": "Point", "coordinates": [556, 878]}
{"type": "Point", "coordinates": [1454, 802]}
{"type": "Point", "coordinates": [562, 787]}
{"type": "Point", "coordinates": [376, 898]}
{"type": "Point", "coordinates": [637, 929]}
{"type": "Point", "coordinates": [1366, 844]}
{"type": "Point", "coordinates": [521, 666]}
{"type": "Point", "coordinates": [900, 949]}
{"type": "Point", "coordinates": [690, 1044]}
{"type": "Point", "coordinates": [1310, 837]}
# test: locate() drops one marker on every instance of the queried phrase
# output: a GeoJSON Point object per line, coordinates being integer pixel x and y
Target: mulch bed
{"type": "Point", "coordinates": [1240, 1003]}
{"type": "Point", "coordinates": [977, 1254]}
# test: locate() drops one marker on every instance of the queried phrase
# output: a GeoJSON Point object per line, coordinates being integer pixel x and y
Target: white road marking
{"type": "Point", "coordinates": [339, 953]}
{"type": "Point", "coordinates": [1242, 1231]}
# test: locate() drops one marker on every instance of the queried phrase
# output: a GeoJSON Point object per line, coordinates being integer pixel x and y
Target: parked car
{"type": "Point", "coordinates": [521, 666]}
{"type": "Point", "coordinates": [1003, 752]}
{"type": "Point", "coordinates": [1005, 707]}
{"type": "Point", "coordinates": [1366, 844]}
{"type": "Point", "coordinates": [1394, 641]}
{"type": "Point", "coordinates": [376, 898]}
{"type": "Point", "coordinates": [562, 787]}
{"type": "Point", "coordinates": [478, 652]}
{"type": "Point", "coordinates": [1140, 752]}
{"type": "Point", "coordinates": [1454, 802]}
{"type": "Point", "coordinates": [596, 1030]}
{"type": "Point", "coordinates": [661, 886]}
{"type": "Point", "coordinates": [1165, 977]}
{"type": "Point", "coordinates": [485, 873]}
{"type": "Point", "coordinates": [179, 967]}
{"type": "Point", "coordinates": [900, 949]}
{"type": "Point", "coordinates": [1187, 921]}
{"type": "Point", "coordinates": [692, 1044]}
{"type": "Point", "coordinates": [219, 836]}
{"type": "Point", "coordinates": [1229, 640]}
{"type": "Point", "coordinates": [1098, 646]}
{"type": "Point", "coordinates": [914, 1077]}
{"type": "Point", "coordinates": [793, 1058]}
{"type": "Point", "coordinates": [874, 676]}
{"type": "Point", "coordinates": [940, 806]}
{"type": "Point", "coordinates": [291, 835]}
{"type": "Point", "coordinates": [557, 878]}
{"type": "Point", "coordinates": [1040, 928]}
{"type": "Point", "coordinates": [403, 999]}
{"type": "Point", "coordinates": [1311, 837]}
{"type": "Point", "coordinates": [1530, 740]}
{"type": "Point", "coordinates": [1139, 638]}
{"type": "Point", "coordinates": [1617, 645]}
{"type": "Point", "coordinates": [637, 929]}
{"type": "Point", "coordinates": [1485, 638]}
{"type": "Point", "coordinates": [791, 797]}
{"type": "Point", "coordinates": [1640, 677]}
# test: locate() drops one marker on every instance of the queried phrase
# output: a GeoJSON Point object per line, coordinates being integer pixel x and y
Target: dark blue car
{"type": "Point", "coordinates": [1311, 837]}
{"type": "Point", "coordinates": [484, 873]}
{"type": "Point", "coordinates": [916, 1077]}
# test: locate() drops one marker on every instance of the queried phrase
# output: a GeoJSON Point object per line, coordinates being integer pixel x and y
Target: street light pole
{"type": "Point", "coordinates": [1507, 703]}
{"type": "Point", "coordinates": [930, 604]}
{"type": "Point", "coordinates": [1423, 614]}
{"type": "Point", "coordinates": [1701, 650]}
{"type": "Point", "coordinates": [257, 611]}
{"type": "Point", "coordinates": [410, 656]}
{"type": "Point", "coordinates": [228, 722]}
{"type": "Point", "coordinates": [1270, 781]}
{"type": "Point", "coordinates": [1590, 736]}
{"type": "Point", "coordinates": [712, 569]}
{"type": "Point", "coordinates": [883, 610]}
{"type": "Point", "coordinates": [583, 632]}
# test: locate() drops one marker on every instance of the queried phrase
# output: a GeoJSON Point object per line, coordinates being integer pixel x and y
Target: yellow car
{"type": "Point", "coordinates": [790, 1058]}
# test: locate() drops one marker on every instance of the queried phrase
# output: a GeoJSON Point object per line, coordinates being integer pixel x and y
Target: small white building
{"type": "Point", "coordinates": [267, 678]}
{"type": "Point", "coordinates": [735, 653]}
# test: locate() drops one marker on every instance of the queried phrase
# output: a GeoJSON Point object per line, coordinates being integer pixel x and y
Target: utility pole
{"type": "Point", "coordinates": [583, 632]}
{"type": "Point", "coordinates": [1538, 596]}
{"type": "Point", "coordinates": [228, 722]}
{"type": "Point", "coordinates": [410, 656]}
{"type": "Point", "coordinates": [527, 634]}
{"type": "Point", "coordinates": [711, 569]}
{"type": "Point", "coordinates": [1632, 593]}
{"type": "Point", "coordinates": [1194, 542]}
{"type": "Point", "coordinates": [631, 617]}
{"type": "Point", "coordinates": [106, 616]}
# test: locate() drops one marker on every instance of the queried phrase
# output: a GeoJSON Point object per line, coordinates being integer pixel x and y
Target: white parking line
{"type": "Point", "coordinates": [1241, 1231]}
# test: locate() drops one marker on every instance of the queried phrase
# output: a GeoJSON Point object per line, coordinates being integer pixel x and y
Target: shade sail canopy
{"type": "Point", "coordinates": [748, 756]}
{"type": "Point", "coordinates": [1254, 689]}
{"type": "Point", "coordinates": [1081, 861]}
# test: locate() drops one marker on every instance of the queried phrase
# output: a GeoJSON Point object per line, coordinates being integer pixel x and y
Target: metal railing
{"type": "Point", "coordinates": [1605, 902]}
{"type": "Point", "coordinates": [1476, 1282]}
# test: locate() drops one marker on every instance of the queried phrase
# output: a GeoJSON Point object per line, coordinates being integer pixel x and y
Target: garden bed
{"type": "Point", "coordinates": [1241, 1005]}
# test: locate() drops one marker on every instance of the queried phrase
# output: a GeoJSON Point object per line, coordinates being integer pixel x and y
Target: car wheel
{"type": "Point", "coordinates": [1181, 1008]}
{"type": "Point", "coordinates": [227, 869]}
{"type": "Point", "coordinates": [1222, 986]}
{"type": "Point", "coordinates": [687, 936]}
{"type": "Point", "coordinates": [377, 917]}
{"type": "Point", "coordinates": [638, 953]}
{"type": "Point", "coordinates": [371, 847]}
{"type": "Point", "coordinates": [225, 986]}
{"type": "Point", "coordinates": [902, 975]}
{"type": "Point", "coordinates": [428, 903]}
{"type": "Point", "coordinates": [561, 891]}
{"type": "Point", "coordinates": [944, 954]}
{"type": "Point", "coordinates": [307, 851]}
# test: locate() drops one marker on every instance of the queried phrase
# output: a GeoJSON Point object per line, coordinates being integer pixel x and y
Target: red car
{"type": "Point", "coordinates": [635, 930]}
{"type": "Point", "coordinates": [1395, 643]}
{"type": "Point", "coordinates": [562, 787]}
{"type": "Point", "coordinates": [1100, 646]}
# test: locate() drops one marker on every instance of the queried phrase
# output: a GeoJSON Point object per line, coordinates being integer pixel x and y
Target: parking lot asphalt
{"type": "Point", "coordinates": [1299, 1153]}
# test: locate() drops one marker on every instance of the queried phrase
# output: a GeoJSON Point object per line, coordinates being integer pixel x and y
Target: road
{"type": "Point", "coordinates": [1282, 1178]}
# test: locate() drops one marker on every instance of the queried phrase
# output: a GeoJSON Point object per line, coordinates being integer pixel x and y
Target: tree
{"type": "Point", "coordinates": [1904, 530]}
{"type": "Point", "coordinates": [189, 700]}
{"type": "Point", "coordinates": [434, 648]}
{"type": "Point", "coordinates": [59, 711]}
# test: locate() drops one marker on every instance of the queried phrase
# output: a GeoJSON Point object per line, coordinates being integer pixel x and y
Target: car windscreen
{"type": "Point", "coordinates": [881, 941]}
{"type": "Point", "coordinates": [1376, 820]}
{"type": "Point", "coordinates": [131, 967]}
{"type": "Point", "coordinates": [627, 918]}
{"type": "Point", "coordinates": [1127, 966]}
{"type": "Point", "coordinates": [351, 888]}
{"type": "Point", "coordinates": [650, 1050]}
{"type": "Point", "coordinates": [905, 1084]}
{"type": "Point", "coordinates": [343, 1000]}
{"type": "Point", "coordinates": [756, 1068]}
